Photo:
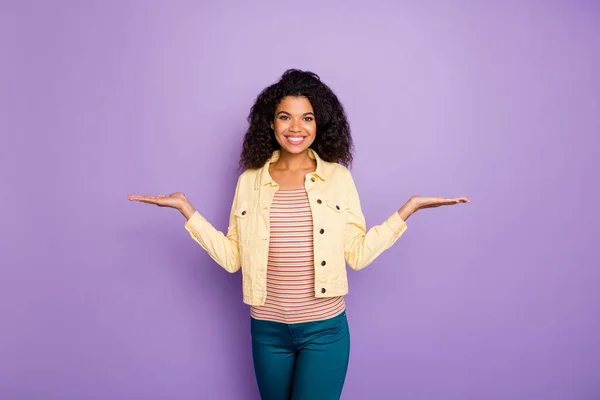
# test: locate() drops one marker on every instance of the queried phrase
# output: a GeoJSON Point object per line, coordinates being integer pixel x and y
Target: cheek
{"type": "Point", "coordinates": [279, 127]}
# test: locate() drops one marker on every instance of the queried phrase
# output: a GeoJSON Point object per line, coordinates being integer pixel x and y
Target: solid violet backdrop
{"type": "Point", "coordinates": [101, 298]}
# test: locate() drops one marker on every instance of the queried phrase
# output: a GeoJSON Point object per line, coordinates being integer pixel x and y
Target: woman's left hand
{"type": "Point", "coordinates": [417, 203]}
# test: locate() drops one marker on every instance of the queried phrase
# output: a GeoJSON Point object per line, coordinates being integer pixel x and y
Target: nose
{"type": "Point", "coordinates": [296, 126]}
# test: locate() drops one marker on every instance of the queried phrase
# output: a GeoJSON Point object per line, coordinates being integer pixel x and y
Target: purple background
{"type": "Point", "coordinates": [101, 298]}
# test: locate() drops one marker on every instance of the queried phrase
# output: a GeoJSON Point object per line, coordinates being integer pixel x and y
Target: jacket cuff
{"type": "Point", "coordinates": [195, 222]}
{"type": "Point", "coordinates": [396, 224]}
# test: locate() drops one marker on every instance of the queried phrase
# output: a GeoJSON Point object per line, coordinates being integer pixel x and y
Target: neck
{"type": "Point", "coordinates": [294, 162]}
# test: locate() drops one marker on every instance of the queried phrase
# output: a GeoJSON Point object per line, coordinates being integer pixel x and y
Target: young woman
{"type": "Point", "coordinates": [295, 223]}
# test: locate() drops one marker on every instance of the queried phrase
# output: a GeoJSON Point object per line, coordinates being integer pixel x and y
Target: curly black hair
{"type": "Point", "coordinates": [333, 141]}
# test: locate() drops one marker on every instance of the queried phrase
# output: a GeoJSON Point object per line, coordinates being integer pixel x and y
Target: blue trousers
{"type": "Point", "coordinates": [303, 361]}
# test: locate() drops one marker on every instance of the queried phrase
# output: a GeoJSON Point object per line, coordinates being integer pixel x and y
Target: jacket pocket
{"type": "Point", "coordinates": [243, 215]}
{"type": "Point", "coordinates": [336, 217]}
{"type": "Point", "coordinates": [242, 211]}
{"type": "Point", "coordinates": [337, 206]}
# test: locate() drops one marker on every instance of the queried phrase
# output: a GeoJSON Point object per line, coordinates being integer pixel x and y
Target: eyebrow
{"type": "Point", "coordinates": [305, 114]}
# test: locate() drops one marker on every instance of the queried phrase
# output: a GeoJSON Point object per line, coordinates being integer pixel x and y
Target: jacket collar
{"type": "Point", "coordinates": [264, 178]}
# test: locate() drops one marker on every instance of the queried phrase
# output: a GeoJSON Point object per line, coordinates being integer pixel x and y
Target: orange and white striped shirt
{"type": "Point", "coordinates": [291, 267]}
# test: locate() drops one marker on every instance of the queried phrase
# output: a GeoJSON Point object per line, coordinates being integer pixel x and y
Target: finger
{"type": "Point", "coordinates": [146, 199]}
{"type": "Point", "coordinates": [442, 201]}
{"type": "Point", "coordinates": [133, 197]}
{"type": "Point", "coordinates": [462, 200]}
{"type": "Point", "coordinates": [458, 200]}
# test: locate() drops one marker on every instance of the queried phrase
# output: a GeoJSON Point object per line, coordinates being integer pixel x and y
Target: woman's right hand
{"type": "Point", "coordinates": [175, 200]}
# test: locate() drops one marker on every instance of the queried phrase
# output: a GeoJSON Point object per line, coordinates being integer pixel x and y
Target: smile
{"type": "Point", "coordinates": [295, 139]}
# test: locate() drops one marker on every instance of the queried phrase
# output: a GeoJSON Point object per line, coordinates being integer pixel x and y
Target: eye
{"type": "Point", "coordinates": [284, 117]}
{"type": "Point", "coordinates": [308, 119]}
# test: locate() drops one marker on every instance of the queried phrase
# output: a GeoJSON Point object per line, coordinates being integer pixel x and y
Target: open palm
{"type": "Point", "coordinates": [173, 200]}
{"type": "Point", "coordinates": [421, 202]}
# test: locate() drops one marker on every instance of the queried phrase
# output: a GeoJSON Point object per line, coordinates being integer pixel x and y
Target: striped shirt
{"type": "Point", "coordinates": [291, 267]}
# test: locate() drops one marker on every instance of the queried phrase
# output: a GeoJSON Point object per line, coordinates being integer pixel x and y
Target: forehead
{"type": "Point", "coordinates": [298, 104]}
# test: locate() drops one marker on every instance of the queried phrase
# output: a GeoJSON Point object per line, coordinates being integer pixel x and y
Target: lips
{"type": "Point", "coordinates": [295, 140]}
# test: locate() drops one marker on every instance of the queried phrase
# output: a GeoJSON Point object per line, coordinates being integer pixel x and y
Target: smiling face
{"type": "Point", "coordinates": [294, 124]}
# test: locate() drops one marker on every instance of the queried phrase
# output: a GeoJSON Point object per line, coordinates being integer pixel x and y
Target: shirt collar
{"type": "Point", "coordinates": [263, 177]}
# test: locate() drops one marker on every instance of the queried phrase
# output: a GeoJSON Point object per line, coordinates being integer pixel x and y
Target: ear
{"type": "Point", "coordinates": [272, 126]}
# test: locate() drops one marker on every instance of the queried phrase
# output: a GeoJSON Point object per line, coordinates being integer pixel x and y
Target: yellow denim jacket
{"type": "Point", "coordinates": [340, 234]}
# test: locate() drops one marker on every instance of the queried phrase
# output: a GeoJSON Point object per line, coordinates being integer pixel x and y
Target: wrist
{"type": "Point", "coordinates": [186, 209]}
{"type": "Point", "coordinates": [407, 209]}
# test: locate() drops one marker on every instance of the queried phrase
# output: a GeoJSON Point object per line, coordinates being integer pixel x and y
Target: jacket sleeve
{"type": "Point", "coordinates": [361, 247]}
{"type": "Point", "coordinates": [224, 249]}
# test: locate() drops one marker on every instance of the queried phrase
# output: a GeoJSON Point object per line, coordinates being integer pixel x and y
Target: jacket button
{"type": "Point", "coordinates": [312, 179]}
{"type": "Point", "coordinates": [243, 212]}
{"type": "Point", "coordinates": [323, 263]}
{"type": "Point", "coordinates": [319, 201]}
{"type": "Point", "coordinates": [322, 231]}
{"type": "Point", "coordinates": [323, 290]}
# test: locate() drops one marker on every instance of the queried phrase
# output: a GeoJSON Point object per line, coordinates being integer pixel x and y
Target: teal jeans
{"type": "Point", "coordinates": [303, 361]}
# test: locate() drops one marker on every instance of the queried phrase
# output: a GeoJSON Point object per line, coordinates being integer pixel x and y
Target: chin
{"type": "Point", "coordinates": [294, 149]}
